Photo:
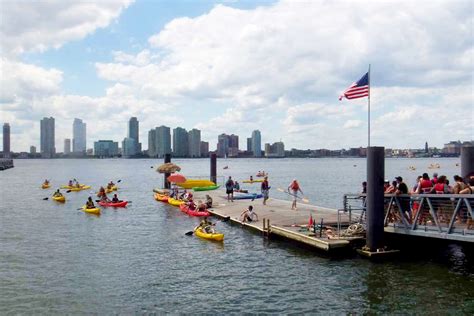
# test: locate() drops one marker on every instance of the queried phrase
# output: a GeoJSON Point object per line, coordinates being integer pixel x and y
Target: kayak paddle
{"type": "Point", "coordinates": [45, 199]}
{"type": "Point", "coordinates": [298, 197]}
{"type": "Point", "coordinates": [189, 233]}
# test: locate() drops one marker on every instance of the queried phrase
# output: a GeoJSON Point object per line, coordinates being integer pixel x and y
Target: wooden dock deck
{"type": "Point", "coordinates": [280, 220]}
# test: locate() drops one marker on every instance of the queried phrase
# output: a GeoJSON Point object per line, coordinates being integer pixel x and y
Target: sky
{"type": "Point", "coordinates": [236, 66]}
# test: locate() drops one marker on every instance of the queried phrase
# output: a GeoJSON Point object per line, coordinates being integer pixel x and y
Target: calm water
{"type": "Point", "coordinates": [57, 260]}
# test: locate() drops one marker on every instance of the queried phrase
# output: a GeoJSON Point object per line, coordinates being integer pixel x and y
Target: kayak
{"type": "Point", "coordinates": [45, 186]}
{"type": "Point", "coordinates": [118, 204]}
{"type": "Point", "coordinates": [247, 196]}
{"type": "Point", "coordinates": [85, 187]}
{"type": "Point", "coordinates": [72, 187]}
{"type": "Point", "coordinates": [208, 188]}
{"type": "Point", "coordinates": [109, 190]}
{"type": "Point", "coordinates": [185, 209]}
{"type": "Point", "coordinates": [216, 236]}
{"type": "Point", "coordinates": [113, 188]}
{"type": "Point", "coordinates": [192, 183]}
{"type": "Point", "coordinates": [161, 191]}
{"type": "Point", "coordinates": [95, 211]}
{"type": "Point", "coordinates": [175, 202]}
{"type": "Point", "coordinates": [262, 175]}
{"type": "Point", "coordinates": [252, 181]}
{"type": "Point", "coordinates": [161, 197]}
{"type": "Point", "coordinates": [61, 199]}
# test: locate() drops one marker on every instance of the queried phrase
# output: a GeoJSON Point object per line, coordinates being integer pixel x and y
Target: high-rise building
{"type": "Point", "coordinates": [275, 150]}
{"type": "Point", "coordinates": [222, 145]}
{"type": "Point", "coordinates": [106, 149]}
{"type": "Point", "coordinates": [180, 142]}
{"type": "Point", "coordinates": [33, 150]}
{"type": "Point", "coordinates": [6, 140]}
{"type": "Point", "coordinates": [67, 146]}
{"type": "Point", "coordinates": [129, 147]}
{"type": "Point", "coordinates": [194, 141]}
{"type": "Point", "coordinates": [162, 141]}
{"type": "Point", "coordinates": [47, 144]}
{"type": "Point", "coordinates": [249, 144]}
{"type": "Point", "coordinates": [79, 136]}
{"type": "Point", "coordinates": [234, 141]}
{"type": "Point", "coordinates": [133, 132]}
{"type": "Point", "coordinates": [204, 149]}
{"type": "Point", "coordinates": [257, 143]}
{"type": "Point", "coordinates": [152, 143]}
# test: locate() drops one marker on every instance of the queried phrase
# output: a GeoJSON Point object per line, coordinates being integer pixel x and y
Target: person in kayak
{"type": "Point", "coordinates": [57, 193]}
{"type": "Point", "coordinates": [183, 195]}
{"type": "Point", "coordinates": [110, 185]}
{"type": "Point", "coordinates": [115, 199]}
{"type": "Point", "coordinates": [295, 188]}
{"type": "Point", "coordinates": [265, 188]}
{"type": "Point", "coordinates": [101, 192]}
{"type": "Point", "coordinates": [201, 206]}
{"type": "Point", "coordinates": [208, 201]}
{"type": "Point", "coordinates": [206, 225]}
{"type": "Point", "coordinates": [104, 198]}
{"type": "Point", "coordinates": [70, 183]}
{"type": "Point", "coordinates": [251, 179]}
{"type": "Point", "coordinates": [236, 186]}
{"type": "Point", "coordinates": [90, 203]}
{"type": "Point", "coordinates": [229, 187]}
{"type": "Point", "coordinates": [248, 215]}
{"type": "Point", "coordinates": [46, 182]}
{"type": "Point", "coordinates": [190, 204]}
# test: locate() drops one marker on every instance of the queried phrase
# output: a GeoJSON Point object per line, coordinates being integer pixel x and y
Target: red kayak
{"type": "Point", "coordinates": [185, 209]}
{"type": "Point", "coordinates": [118, 204]}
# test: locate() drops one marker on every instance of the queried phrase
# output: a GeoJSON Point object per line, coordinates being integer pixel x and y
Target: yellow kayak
{"type": "Point", "coordinates": [95, 211]}
{"type": "Point", "coordinates": [61, 198]}
{"type": "Point", "coordinates": [85, 187]}
{"type": "Point", "coordinates": [252, 181]}
{"type": "Point", "coordinates": [215, 236]}
{"type": "Point", "coordinates": [113, 188]}
{"type": "Point", "coordinates": [68, 187]}
{"type": "Point", "coordinates": [45, 186]}
{"type": "Point", "coordinates": [174, 202]}
{"type": "Point", "coordinates": [195, 183]}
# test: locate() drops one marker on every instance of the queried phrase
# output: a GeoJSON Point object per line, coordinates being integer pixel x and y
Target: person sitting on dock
{"type": "Point", "coordinates": [201, 206]}
{"type": "Point", "coordinates": [229, 189]}
{"type": "Point", "coordinates": [208, 201]}
{"type": "Point", "coordinates": [248, 215]}
{"type": "Point", "coordinates": [295, 188]}
{"type": "Point", "coordinates": [90, 203]}
{"type": "Point", "coordinates": [57, 193]}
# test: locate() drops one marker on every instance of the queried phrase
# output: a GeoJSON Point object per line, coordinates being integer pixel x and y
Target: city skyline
{"type": "Point", "coordinates": [259, 68]}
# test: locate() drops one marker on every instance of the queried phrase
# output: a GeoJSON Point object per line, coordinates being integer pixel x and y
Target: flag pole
{"type": "Point", "coordinates": [368, 100]}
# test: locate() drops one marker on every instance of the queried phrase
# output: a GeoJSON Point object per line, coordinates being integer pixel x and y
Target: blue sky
{"type": "Point", "coordinates": [236, 66]}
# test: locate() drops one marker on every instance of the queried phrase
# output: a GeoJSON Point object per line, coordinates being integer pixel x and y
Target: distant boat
{"type": "Point", "coordinates": [226, 167]}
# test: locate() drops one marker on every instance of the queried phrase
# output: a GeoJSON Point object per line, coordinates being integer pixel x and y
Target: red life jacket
{"type": "Point", "coordinates": [426, 186]}
{"type": "Point", "coordinates": [439, 188]}
{"type": "Point", "coordinates": [295, 186]}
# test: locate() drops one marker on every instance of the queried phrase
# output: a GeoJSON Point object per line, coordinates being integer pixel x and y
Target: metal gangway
{"type": "Point", "coordinates": [445, 216]}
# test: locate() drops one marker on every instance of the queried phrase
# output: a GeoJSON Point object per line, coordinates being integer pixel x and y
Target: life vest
{"type": "Point", "coordinates": [426, 186]}
{"type": "Point", "coordinates": [439, 188]}
{"type": "Point", "coordinates": [295, 186]}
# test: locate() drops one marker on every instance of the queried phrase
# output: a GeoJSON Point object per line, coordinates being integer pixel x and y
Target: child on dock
{"type": "Point", "coordinates": [248, 215]}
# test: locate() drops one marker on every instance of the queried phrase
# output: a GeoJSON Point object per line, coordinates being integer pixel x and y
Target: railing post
{"type": "Point", "coordinates": [467, 161]}
{"type": "Point", "coordinates": [166, 183]}
{"type": "Point", "coordinates": [213, 177]}
{"type": "Point", "coordinates": [375, 197]}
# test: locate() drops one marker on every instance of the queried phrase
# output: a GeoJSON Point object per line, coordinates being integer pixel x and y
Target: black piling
{"type": "Point", "coordinates": [375, 198]}
{"type": "Point", "coordinates": [467, 161]}
{"type": "Point", "coordinates": [166, 183]}
{"type": "Point", "coordinates": [213, 167]}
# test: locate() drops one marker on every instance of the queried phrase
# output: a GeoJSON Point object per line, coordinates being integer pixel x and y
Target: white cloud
{"type": "Point", "coordinates": [352, 124]}
{"type": "Point", "coordinates": [39, 25]}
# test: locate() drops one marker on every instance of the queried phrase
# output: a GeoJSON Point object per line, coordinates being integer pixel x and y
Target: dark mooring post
{"type": "Point", "coordinates": [166, 183]}
{"type": "Point", "coordinates": [375, 205]}
{"type": "Point", "coordinates": [467, 161]}
{"type": "Point", "coordinates": [213, 168]}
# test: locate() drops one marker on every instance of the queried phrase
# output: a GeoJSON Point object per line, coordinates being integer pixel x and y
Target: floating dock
{"type": "Point", "coordinates": [6, 164]}
{"type": "Point", "coordinates": [278, 219]}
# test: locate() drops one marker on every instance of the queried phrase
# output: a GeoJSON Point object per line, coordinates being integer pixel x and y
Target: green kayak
{"type": "Point", "coordinates": [208, 188]}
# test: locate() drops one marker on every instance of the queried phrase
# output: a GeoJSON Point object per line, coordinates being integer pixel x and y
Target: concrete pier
{"type": "Point", "coordinates": [6, 164]}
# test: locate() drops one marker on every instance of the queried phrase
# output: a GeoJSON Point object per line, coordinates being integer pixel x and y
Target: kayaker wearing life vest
{"type": "Point", "coordinates": [46, 182]}
{"type": "Point", "coordinates": [57, 193]}
{"type": "Point", "coordinates": [115, 199]}
{"type": "Point", "coordinates": [101, 192]}
{"type": "Point", "coordinates": [90, 203]}
{"type": "Point", "coordinates": [104, 198]}
{"type": "Point", "coordinates": [295, 188]}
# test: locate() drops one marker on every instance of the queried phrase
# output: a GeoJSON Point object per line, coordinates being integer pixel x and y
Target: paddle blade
{"type": "Point", "coordinates": [119, 181]}
{"type": "Point", "coordinates": [68, 191]}
{"type": "Point", "coordinates": [45, 199]}
{"type": "Point", "coordinates": [189, 233]}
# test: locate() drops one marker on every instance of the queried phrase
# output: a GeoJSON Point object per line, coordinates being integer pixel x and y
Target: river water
{"type": "Point", "coordinates": [55, 259]}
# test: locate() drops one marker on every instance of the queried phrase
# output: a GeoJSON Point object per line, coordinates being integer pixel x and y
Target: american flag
{"type": "Point", "coordinates": [358, 89]}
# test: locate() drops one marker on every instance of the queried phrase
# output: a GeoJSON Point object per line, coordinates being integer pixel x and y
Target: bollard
{"type": "Point", "coordinates": [375, 197]}
{"type": "Point", "coordinates": [213, 168]}
{"type": "Point", "coordinates": [166, 183]}
{"type": "Point", "coordinates": [467, 161]}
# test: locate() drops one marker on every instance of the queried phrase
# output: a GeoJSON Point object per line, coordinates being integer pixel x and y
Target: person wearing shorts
{"type": "Point", "coordinates": [229, 187]}
{"type": "Point", "coordinates": [248, 215]}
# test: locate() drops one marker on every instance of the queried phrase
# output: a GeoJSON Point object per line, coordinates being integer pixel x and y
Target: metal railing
{"type": "Point", "coordinates": [443, 214]}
